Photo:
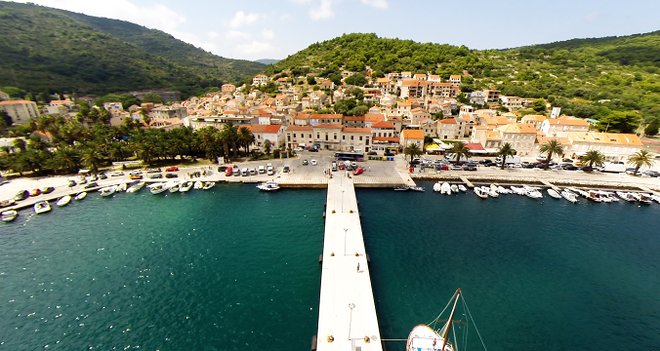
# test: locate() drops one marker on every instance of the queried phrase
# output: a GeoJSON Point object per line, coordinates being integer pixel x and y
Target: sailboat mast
{"type": "Point", "coordinates": [445, 332]}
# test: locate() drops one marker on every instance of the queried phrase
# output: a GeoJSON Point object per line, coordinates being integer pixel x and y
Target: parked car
{"type": "Point", "coordinates": [171, 175]}
{"type": "Point", "coordinates": [91, 185]}
{"type": "Point", "coordinates": [262, 169]}
{"type": "Point", "coordinates": [651, 173]}
{"type": "Point", "coordinates": [286, 169]}
{"type": "Point", "coordinates": [103, 176]}
{"type": "Point", "coordinates": [135, 176]}
{"type": "Point", "coordinates": [456, 168]}
{"type": "Point", "coordinates": [21, 195]}
{"type": "Point", "coordinates": [71, 183]}
{"type": "Point", "coordinates": [313, 162]}
{"type": "Point", "coordinates": [253, 171]}
{"type": "Point", "coordinates": [305, 162]}
{"type": "Point", "coordinates": [334, 166]}
{"type": "Point", "coordinates": [171, 169]}
{"type": "Point", "coordinates": [372, 153]}
{"type": "Point", "coordinates": [245, 172]}
{"type": "Point", "coordinates": [153, 170]}
{"type": "Point", "coordinates": [222, 168]}
{"type": "Point", "coordinates": [48, 190]}
{"type": "Point", "coordinates": [115, 174]}
{"type": "Point", "coordinates": [155, 176]}
{"type": "Point", "coordinates": [270, 170]}
{"type": "Point", "coordinates": [228, 172]}
{"type": "Point", "coordinates": [35, 192]}
{"type": "Point", "coordinates": [470, 167]}
{"type": "Point", "coordinates": [358, 171]}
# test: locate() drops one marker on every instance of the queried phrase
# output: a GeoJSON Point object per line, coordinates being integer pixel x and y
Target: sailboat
{"type": "Point", "coordinates": [424, 337]}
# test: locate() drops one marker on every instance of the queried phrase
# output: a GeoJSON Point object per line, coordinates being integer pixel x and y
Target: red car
{"type": "Point", "coordinates": [228, 171]}
{"type": "Point", "coordinates": [358, 171]}
{"type": "Point", "coordinates": [172, 169]}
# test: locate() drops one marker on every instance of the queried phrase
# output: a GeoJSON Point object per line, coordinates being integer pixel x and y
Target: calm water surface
{"type": "Point", "coordinates": [235, 269]}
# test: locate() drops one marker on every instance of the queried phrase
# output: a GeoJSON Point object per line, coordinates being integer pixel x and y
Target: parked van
{"type": "Point", "coordinates": [334, 166]}
{"type": "Point", "coordinates": [244, 172]}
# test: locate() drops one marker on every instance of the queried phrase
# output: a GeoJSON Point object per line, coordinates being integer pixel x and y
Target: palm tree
{"type": "Point", "coordinates": [504, 151]}
{"type": "Point", "coordinates": [552, 147]}
{"type": "Point", "coordinates": [640, 158]}
{"type": "Point", "coordinates": [91, 156]}
{"type": "Point", "coordinates": [245, 138]}
{"type": "Point", "coordinates": [267, 146]}
{"type": "Point", "coordinates": [593, 157]}
{"type": "Point", "coordinates": [413, 150]}
{"type": "Point", "coordinates": [459, 150]}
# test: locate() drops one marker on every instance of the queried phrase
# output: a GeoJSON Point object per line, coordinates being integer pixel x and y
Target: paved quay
{"type": "Point", "coordinates": [347, 313]}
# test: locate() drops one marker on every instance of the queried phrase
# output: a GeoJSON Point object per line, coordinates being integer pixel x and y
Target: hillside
{"type": "Point", "coordinates": [48, 49]}
{"type": "Point", "coordinates": [589, 78]}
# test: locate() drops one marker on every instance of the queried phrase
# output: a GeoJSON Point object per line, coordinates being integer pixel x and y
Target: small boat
{"type": "Point", "coordinates": [208, 185]}
{"type": "Point", "coordinates": [174, 187]}
{"type": "Point", "coordinates": [437, 187]}
{"type": "Point", "coordinates": [198, 185]}
{"type": "Point", "coordinates": [626, 196]}
{"type": "Point", "coordinates": [655, 198]}
{"type": "Point", "coordinates": [401, 188]}
{"type": "Point", "coordinates": [417, 188]}
{"type": "Point", "coordinates": [503, 190]}
{"type": "Point", "coordinates": [9, 215]}
{"type": "Point", "coordinates": [645, 199]}
{"type": "Point", "coordinates": [479, 191]}
{"type": "Point", "coordinates": [445, 188]}
{"type": "Point", "coordinates": [157, 188]}
{"type": "Point", "coordinates": [268, 186]}
{"type": "Point", "coordinates": [462, 188]}
{"type": "Point", "coordinates": [519, 190]}
{"type": "Point", "coordinates": [553, 193]}
{"type": "Point", "coordinates": [185, 186]}
{"type": "Point", "coordinates": [593, 196]}
{"type": "Point", "coordinates": [454, 188]}
{"type": "Point", "coordinates": [135, 187]}
{"type": "Point", "coordinates": [80, 196]}
{"type": "Point", "coordinates": [42, 207]}
{"type": "Point", "coordinates": [534, 194]}
{"type": "Point", "coordinates": [107, 191]}
{"type": "Point", "coordinates": [569, 196]}
{"type": "Point", "coordinates": [121, 187]}
{"type": "Point", "coordinates": [63, 201]}
{"type": "Point", "coordinates": [492, 192]}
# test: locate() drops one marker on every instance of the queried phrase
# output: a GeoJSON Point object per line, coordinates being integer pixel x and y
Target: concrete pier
{"type": "Point", "coordinates": [347, 313]}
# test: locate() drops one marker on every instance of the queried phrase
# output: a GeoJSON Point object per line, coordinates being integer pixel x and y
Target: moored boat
{"type": "Point", "coordinates": [569, 196]}
{"type": "Point", "coordinates": [268, 186]}
{"type": "Point", "coordinates": [454, 188]}
{"type": "Point", "coordinates": [42, 207]}
{"type": "Point", "coordinates": [121, 187]}
{"type": "Point", "coordinates": [462, 188]}
{"type": "Point", "coordinates": [135, 187]}
{"type": "Point", "coordinates": [107, 191]}
{"type": "Point", "coordinates": [553, 193]}
{"type": "Point", "coordinates": [479, 191]}
{"type": "Point", "coordinates": [157, 188]}
{"type": "Point", "coordinates": [445, 188]}
{"type": "Point", "coordinates": [63, 201]}
{"type": "Point", "coordinates": [198, 185]}
{"type": "Point", "coordinates": [401, 188]}
{"type": "Point", "coordinates": [173, 188]}
{"type": "Point", "coordinates": [416, 188]}
{"type": "Point", "coordinates": [9, 215]}
{"type": "Point", "coordinates": [80, 196]}
{"type": "Point", "coordinates": [186, 186]}
{"type": "Point", "coordinates": [437, 187]}
{"type": "Point", "coordinates": [208, 185]}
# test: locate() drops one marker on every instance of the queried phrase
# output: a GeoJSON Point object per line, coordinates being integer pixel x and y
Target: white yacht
{"type": "Point", "coordinates": [9, 215]}
{"type": "Point", "coordinates": [107, 191]}
{"type": "Point", "coordinates": [135, 187]}
{"type": "Point", "coordinates": [63, 201]}
{"type": "Point", "coordinates": [208, 185]}
{"type": "Point", "coordinates": [185, 186]}
{"type": "Point", "coordinates": [198, 185]}
{"type": "Point", "coordinates": [553, 193]}
{"type": "Point", "coordinates": [81, 196]}
{"type": "Point", "coordinates": [42, 207]}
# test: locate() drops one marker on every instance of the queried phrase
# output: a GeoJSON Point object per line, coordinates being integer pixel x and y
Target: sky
{"type": "Point", "coordinates": [257, 29]}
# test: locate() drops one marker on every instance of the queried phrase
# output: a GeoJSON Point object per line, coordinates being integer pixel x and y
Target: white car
{"type": "Point", "coordinates": [262, 169]}
{"type": "Point", "coordinates": [313, 162]}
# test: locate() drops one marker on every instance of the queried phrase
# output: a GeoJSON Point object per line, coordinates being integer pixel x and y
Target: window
{"type": "Point", "coordinates": [360, 137]}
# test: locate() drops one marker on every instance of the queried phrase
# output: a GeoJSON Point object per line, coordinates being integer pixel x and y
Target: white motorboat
{"type": "Point", "coordinates": [80, 196]}
{"type": "Point", "coordinates": [569, 196]}
{"type": "Point", "coordinates": [655, 198]}
{"type": "Point", "coordinates": [479, 191]}
{"type": "Point", "coordinates": [492, 192]}
{"type": "Point", "coordinates": [157, 188]}
{"type": "Point", "coordinates": [401, 188]}
{"type": "Point", "coordinates": [445, 188]}
{"type": "Point", "coordinates": [64, 200]}
{"type": "Point", "coordinates": [186, 186]}
{"type": "Point", "coordinates": [417, 188]}
{"type": "Point", "coordinates": [121, 187]}
{"type": "Point", "coordinates": [268, 186]}
{"type": "Point", "coordinates": [462, 188]}
{"type": "Point", "coordinates": [645, 199]}
{"type": "Point", "coordinates": [454, 188]}
{"type": "Point", "coordinates": [437, 187]}
{"type": "Point", "coordinates": [503, 190]}
{"type": "Point", "coordinates": [610, 195]}
{"type": "Point", "coordinates": [135, 187]}
{"type": "Point", "coordinates": [42, 207]}
{"type": "Point", "coordinates": [208, 185]}
{"type": "Point", "coordinates": [198, 185]}
{"type": "Point", "coordinates": [174, 187]}
{"type": "Point", "coordinates": [593, 196]}
{"type": "Point", "coordinates": [626, 196]}
{"type": "Point", "coordinates": [107, 191]}
{"type": "Point", "coordinates": [518, 190]}
{"type": "Point", "coordinates": [534, 194]}
{"type": "Point", "coordinates": [553, 193]}
{"type": "Point", "coordinates": [9, 215]}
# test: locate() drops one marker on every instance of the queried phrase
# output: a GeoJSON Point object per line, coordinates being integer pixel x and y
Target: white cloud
{"type": "Point", "coordinates": [242, 19]}
{"type": "Point", "coordinates": [323, 12]}
{"type": "Point", "coordinates": [379, 4]}
{"type": "Point", "coordinates": [212, 35]}
{"type": "Point", "coordinates": [268, 34]}
{"type": "Point", "coordinates": [237, 35]}
{"type": "Point", "coordinates": [255, 48]}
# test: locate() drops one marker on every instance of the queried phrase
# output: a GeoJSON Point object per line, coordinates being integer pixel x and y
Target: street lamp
{"type": "Point", "coordinates": [350, 319]}
{"type": "Point", "coordinates": [345, 235]}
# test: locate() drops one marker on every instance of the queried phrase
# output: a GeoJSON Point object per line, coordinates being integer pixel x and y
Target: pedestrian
{"type": "Point", "coordinates": [358, 267]}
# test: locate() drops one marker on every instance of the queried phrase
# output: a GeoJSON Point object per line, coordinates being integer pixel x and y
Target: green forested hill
{"type": "Point", "coordinates": [45, 49]}
{"type": "Point", "coordinates": [615, 77]}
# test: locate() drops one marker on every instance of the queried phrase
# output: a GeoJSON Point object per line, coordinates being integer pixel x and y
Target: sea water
{"type": "Point", "coordinates": [235, 269]}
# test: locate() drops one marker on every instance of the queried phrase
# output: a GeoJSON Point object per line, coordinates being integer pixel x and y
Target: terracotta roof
{"type": "Point", "coordinates": [383, 125]}
{"type": "Point", "coordinates": [414, 83]}
{"type": "Point", "coordinates": [354, 118]}
{"type": "Point", "coordinates": [16, 102]}
{"type": "Point", "coordinates": [264, 128]}
{"type": "Point", "coordinates": [517, 128]}
{"type": "Point", "coordinates": [412, 134]}
{"type": "Point", "coordinates": [537, 118]}
{"type": "Point", "coordinates": [493, 135]}
{"type": "Point", "coordinates": [448, 121]}
{"type": "Point", "coordinates": [474, 146]}
{"type": "Point", "coordinates": [604, 138]}
{"type": "Point", "coordinates": [357, 130]}
{"type": "Point", "coordinates": [374, 117]}
{"type": "Point", "coordinates": [328, 126]}
{"type": "Point", "coordinates": [299, 129]}
{"type": "Point", "coordinates": [382, 80]}
{"type": "Point", "coordinates": [568, 121]}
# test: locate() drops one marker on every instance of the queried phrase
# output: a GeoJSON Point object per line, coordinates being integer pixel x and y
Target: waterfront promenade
{"type": "Point", "coordinates": [347, 313]}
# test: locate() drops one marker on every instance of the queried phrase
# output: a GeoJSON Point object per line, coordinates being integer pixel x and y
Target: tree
{"type": "Point", "coordinates": [641, 158]}
{"type": "Point", "coordinates": [245, 138]}
{"type": "Point", "coordinates": [91, 157]}
{"type": "Point", "coordinates": [459, 150]}
{"type": "Point", "coordinates": [356, 79]}
{"type": "Point", "coordinates": [593, 157]}
{"type": "Point", "coordinates": [311, 80]}
{"type": "Point", "coordinates": [505, 151]}
{"type": "Point", "coordinates": [413, 150]}
{"type": "Point", "coordinates": [267, 146]}
{"type": "Point", "coordinates": [619, 121]}
{"type": "Point", "coordinates": [552, 147]}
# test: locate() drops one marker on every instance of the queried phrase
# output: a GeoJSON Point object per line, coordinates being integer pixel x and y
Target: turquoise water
{"type": "Point", "coordinates": [235, 269]}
